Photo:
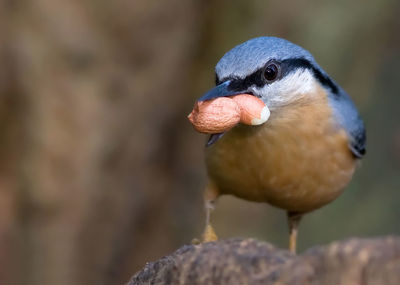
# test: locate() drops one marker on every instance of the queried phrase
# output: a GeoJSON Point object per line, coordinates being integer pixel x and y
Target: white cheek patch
{"type": "Point", "coordinates": [293, 86]}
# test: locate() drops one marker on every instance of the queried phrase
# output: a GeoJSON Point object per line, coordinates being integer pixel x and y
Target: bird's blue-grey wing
{"type": "Point", "coordinates": [347, 116]}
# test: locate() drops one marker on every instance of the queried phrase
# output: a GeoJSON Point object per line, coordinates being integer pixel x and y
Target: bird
{"type": "Point", "coordinates": [303, 157]}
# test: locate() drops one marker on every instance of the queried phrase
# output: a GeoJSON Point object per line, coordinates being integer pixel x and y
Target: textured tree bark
{"type": "Point", "coordinates": [247, 261]}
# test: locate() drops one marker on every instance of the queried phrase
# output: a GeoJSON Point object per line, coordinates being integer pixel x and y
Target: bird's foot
{"type": "Point", "coordinates": [209, 234]}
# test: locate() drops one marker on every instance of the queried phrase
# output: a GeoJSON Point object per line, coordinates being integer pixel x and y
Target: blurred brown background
{"type": "Point", "coordinates": [101, 172]}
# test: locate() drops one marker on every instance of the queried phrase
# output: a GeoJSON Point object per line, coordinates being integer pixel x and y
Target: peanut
{"type": "Point", "coordinates": [223, 113]}
{"type": "Point", "coordinates": [253, 110]}
{"type": "Point", "coordinates": [215, 116]}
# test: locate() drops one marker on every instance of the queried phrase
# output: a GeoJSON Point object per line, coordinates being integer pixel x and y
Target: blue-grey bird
{"type": "Point", "coordinates": [305, 154]}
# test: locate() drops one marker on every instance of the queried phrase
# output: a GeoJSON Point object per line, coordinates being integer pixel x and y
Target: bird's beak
{"type": "Point", "coordinates": [221, 90]}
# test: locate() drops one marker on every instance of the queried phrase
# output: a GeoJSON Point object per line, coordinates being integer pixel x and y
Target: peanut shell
{"type": "Point", "coordinates": [253, 111]}
{"type": "Point", "coordinates": [215, 116]}
{"type": "Point", "coordinates": [223, 113]}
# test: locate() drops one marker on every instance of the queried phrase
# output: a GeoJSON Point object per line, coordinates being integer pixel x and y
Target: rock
{"type": "Point", "coordinates": [248, 261]}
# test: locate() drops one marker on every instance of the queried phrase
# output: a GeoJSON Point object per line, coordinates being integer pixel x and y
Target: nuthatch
{"type": "Point", "coordinates": [305, 154]}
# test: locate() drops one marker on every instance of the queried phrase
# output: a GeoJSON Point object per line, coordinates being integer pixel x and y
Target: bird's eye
{"type": "Point", "coordinates": [271, 72]}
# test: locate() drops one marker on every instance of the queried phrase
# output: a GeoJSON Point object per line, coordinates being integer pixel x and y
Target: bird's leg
{"type": "Point", "coordinates": [210, 196]}
{"type": "Point", "coordinates": [293, 221]}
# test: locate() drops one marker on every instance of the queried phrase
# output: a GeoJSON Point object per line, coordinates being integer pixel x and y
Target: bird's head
{"type": "Point", "coordinates": [273, 69]}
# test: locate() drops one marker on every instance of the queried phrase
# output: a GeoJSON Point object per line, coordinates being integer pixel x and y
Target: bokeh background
{"type": "Point", "coordinates": [100, 171]}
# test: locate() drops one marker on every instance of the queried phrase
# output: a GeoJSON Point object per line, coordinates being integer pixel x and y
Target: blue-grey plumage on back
{"type": "Point", "coordinates": [251, 56]}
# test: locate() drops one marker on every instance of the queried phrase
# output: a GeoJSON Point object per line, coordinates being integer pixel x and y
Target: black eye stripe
{"type": "Point", "coordinates": [217, 82]}
{"type": "Point", "coordinates": [243, 84]}
{"type": "Point", "coordinates": [287, 66]}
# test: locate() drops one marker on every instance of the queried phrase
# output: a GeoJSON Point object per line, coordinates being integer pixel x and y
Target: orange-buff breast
{"type": "Point", "coordinates": [299, 160]}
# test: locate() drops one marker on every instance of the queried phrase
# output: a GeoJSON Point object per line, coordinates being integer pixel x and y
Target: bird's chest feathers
{"type": "Point", "coordinates": [298, 160]}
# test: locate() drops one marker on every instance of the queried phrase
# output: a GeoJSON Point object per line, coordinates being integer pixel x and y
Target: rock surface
{"type": "Point", "coordinates": [248, 261]}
